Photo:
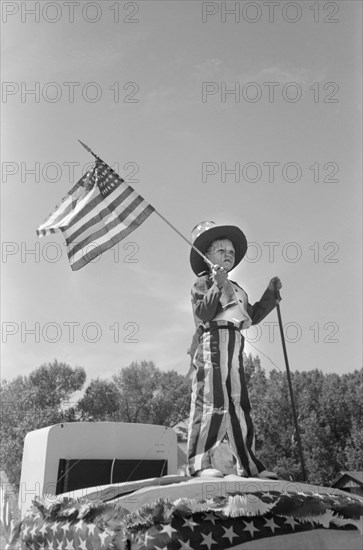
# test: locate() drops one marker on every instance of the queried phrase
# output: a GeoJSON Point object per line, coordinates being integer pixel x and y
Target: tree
{"type": "Point", "coordinates": [33, 402]}
{"type": "Point", "coordinates": [171, 402]}
{"type": "Point", "coordinates": [100, 401]}
{"type": "Point", "coordinates": [55, 382]}
{"type": "Point", "coordinates": [150, 396]}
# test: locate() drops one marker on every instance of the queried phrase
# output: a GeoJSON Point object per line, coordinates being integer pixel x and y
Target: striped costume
{"type": "Point", "coordinates": [220, 403]}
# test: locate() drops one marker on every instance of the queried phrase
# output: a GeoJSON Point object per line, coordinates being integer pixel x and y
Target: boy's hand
{"type": "Point", "coordinates": [220, 275]}
{"type": "Point", "coordinates": [275, 284]}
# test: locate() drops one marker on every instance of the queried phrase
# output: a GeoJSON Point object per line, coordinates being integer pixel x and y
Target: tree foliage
{"type": "Point", "coordinates": [329, 409]}
{"type": "Point", "coordinates": [33, 402]}
{"type": "Point", "coordinates": [138, 393]}
{"type": "Point", "coordinates": [100, 401]}
{"type": "Point", "coordinates": [330, 417]}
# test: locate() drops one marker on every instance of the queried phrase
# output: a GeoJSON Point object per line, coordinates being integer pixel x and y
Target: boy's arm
{"type": "Point", "coordinates": [263, 307]}
{"type": "Point", "coordinates": [205, 298]}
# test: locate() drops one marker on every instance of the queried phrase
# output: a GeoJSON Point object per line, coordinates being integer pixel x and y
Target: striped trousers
{"type": "Point", "coordinates": [220, 403]}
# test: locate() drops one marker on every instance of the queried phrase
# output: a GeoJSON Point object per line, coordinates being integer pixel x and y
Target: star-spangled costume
{"type": "Point", "coordinates": [220, 405]}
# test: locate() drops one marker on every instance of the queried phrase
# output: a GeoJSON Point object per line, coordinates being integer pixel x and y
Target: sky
{"type": "Point", "coordinates": [242, 113]}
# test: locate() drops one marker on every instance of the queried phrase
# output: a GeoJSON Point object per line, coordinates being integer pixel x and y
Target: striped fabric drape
{"type": "Point", "coordinates": [220, 403]}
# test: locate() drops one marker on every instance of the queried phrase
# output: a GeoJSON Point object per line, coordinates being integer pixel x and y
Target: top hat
{"type": "Point", "coordinates": [205, 233]}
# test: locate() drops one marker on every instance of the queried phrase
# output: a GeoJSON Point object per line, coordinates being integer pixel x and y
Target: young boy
{"type": "Point", "coordinates": [220, 403]}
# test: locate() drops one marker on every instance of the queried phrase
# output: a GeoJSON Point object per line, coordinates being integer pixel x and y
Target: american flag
{"type": "Point", "coordinates": [303, 520]}
{"type": "Point", "coordinates": [100, 210]}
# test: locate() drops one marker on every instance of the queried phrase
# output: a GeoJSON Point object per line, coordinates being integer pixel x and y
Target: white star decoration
{"type": "Point", "coordinates": [69, 545]}
{"type": "Point", "coordinates": [188, 522]}
{"type": "Point", "coordinates": [65, 527]}
{"type": "Point", "coordinates": [82, 544]}
{"type": "Point", "coordinates": [185, 545]}
{"type": "Point", "coordinates": [78, 525]}
{"type": "Point", "coordinates": [209, 516]}
{"type": "Point", "coordinates": [229, 533]}
{"type": "Point", "coordinates": [33, 531]}
{"type": "Point", "coordinates": [43, 529]}
{"type": "Point", "coordinates": [250, 527]}
{"type": "Point", "coordinates": [103, 537]}
{"type": "Point", "coordinates": [207, 540]}
{"type": "Point", "coordinates": [54, 527]}
{"type": "Point", "coordinates": [271, 524]}
{"type": "Point", "coordinates": [168, 529]}
{"type": "Point", "coordinates": [91, 528]}
{"type": "Point", "coordinates": [290, 521]}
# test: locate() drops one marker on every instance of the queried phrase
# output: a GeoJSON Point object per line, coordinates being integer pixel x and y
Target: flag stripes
{"type": "Point", "coordinates": [64, 211]}
{"type": "Point", "coordinates": [100, 210]}
{"type": "Point", "coordinates": [220, 403]}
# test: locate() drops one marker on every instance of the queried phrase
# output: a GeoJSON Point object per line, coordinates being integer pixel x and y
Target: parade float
{"type": "Point", "coordinates": [117, 486]}
{"type": "Point", "coordinates": [110, 485]}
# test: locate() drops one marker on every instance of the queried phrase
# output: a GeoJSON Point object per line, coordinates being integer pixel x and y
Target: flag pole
{"type": "Point", "coordinates": [207, 261]}
{"type": "Point", "coordinates": [301, 455]}
{"type": "Point", "coordinates": [88, 149]}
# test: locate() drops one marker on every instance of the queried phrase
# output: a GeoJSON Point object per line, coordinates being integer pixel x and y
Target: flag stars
{"type": "Point", "coordinates": [208, 541]}
{"type": "Point", "coordinates": [25, 531]}
{"type": "Point", "coordinates": [65, 527]}
{"type": "Point", "coordinates": [78, 525]}
{"type": "Point", "coordinates": [103, 536]}
{"type": "Point", "coordinates": [33, 531]}
{"type": "Point", "coordinates": [250, 527]}
{"type": "Point", "coordinates": [82, 544]}
{"type": "Point", "coordinates": [91, 528]}
{"type": "Point", "coordinates": [290, 521]}
{"type": "Point", "coordinates": [229, 533]}
{"type": "Point", "coordinates": [188, 522]}
{"type": "Point", "coordinates": [168, 529]}
{"type": "Point", "coordinates": [209, 516]}
{"type": "Point", "coordinates": [43, 529]}
{"type": "Point", "coordinates": [69, 545]}
{"type": "Point", "coordinates": [185, 545]}
{"type": "Point", "coordinates": [55, 527]}
{"type": "Point", "coordinates": [271, 524]}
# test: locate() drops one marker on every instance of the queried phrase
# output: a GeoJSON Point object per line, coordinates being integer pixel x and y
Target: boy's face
{"type": "Point", "coordinates": [221, 252]}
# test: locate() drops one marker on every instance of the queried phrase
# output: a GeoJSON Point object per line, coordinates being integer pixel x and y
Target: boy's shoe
{"type": "Point", "coordinates": [208, 472]}
{"type": "Point", "coordinates": [265, 474]}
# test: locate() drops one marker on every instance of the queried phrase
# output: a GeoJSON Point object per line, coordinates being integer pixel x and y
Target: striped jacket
{"type": "Point", "coordinates": [207, 303]}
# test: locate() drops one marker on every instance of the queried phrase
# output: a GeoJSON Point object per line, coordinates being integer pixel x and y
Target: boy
{"type": "Point", "coordinates": [220, 403]}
